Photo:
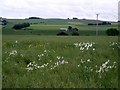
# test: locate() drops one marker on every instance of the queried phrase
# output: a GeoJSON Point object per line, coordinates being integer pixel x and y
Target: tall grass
{"type": "Point", "coordinates": [60, 62]}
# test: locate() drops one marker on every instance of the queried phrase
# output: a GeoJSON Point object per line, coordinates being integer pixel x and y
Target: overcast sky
{"type": "Point", "coordinates": [108, 9]}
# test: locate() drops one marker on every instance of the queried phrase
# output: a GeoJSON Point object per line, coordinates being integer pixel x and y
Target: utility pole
{"type": "Point", "coordinates": [97, 25]}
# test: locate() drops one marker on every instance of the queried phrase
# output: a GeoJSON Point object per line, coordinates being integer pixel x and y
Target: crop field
{"type": "Point", "coordinates": [31, 61]}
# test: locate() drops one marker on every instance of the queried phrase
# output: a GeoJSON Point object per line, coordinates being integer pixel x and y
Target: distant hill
{"type": "Point", "coordinates": [55, 21]}
{"type": "Point", "coordinates": [34, 18]}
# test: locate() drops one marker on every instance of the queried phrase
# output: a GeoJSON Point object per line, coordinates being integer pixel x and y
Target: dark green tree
{"type": "Point", "coordinates": [112, 32]}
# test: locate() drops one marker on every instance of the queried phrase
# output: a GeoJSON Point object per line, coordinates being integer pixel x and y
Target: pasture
{"type": "Point", "coordinates": [31, 61]}
{"type": "Point", "coordinates": [52, 27]}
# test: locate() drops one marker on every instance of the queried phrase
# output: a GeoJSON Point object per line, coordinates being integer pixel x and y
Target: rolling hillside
{"type": "Point", "coordinates": [52, 26]}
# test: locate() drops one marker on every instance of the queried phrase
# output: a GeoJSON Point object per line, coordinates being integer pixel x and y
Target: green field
{"type": "Point", "coordinates": [35, 57]}
{"type": "Point", "coordinates": [52, 27]}
{"type": "Point", "coordinates": [60, 62]}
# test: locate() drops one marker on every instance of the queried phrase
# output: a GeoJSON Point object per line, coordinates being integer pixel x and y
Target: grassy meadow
{"type": "Point", "coordinates": [35, 57]}
{"type": "Point", "coordinates": [60, 62]}
{"type": "Point", "coordinates": [52, 27]}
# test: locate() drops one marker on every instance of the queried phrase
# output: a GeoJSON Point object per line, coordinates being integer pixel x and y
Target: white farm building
{"type": "Point", "coordinates": [63, 29]}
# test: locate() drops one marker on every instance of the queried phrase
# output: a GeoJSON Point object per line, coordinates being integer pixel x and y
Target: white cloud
{"type": "Point", "coordinates": [108, 9]}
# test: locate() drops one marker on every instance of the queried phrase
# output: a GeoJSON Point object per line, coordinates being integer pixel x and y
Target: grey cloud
{"type": "Point", "coordinates": [108, 9]}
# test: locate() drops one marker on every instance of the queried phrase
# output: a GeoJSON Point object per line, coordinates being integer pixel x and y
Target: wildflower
{"type": "Point", "coordinates": [107, 62]}
{"type": "Point", "coordinates": [38, 66]}
{"type": "Point", "coordinates": [79, 44]}
{"type": "Point", "coordinates": [33, 62]}
{"type": "Point", "coordinates": [6, 61]}
{"type": "Point", "coordinates": [42, 54]}
{"type": "Point", "coordinates": [90, 45]}
{"type": "Point", "coordinates": [21, 55]}
{"type": "Point", "coordinates": [30, 68]}
{"type": "Point", "coordinates": [39, 55]}
{"type": "Point", "coordinates": [78, 65]}
{"type": "Point", "coordinates": [93, 49]}
{"type": "Point", "coordinates": [85, 67]}
{"type": "Point", "coordinates": [66, 62]}
{"type": "Point", "coordinates": [30, 46]}
{"type": "Point", "coordinates": [54, 66]}
{"type": "Point", "coordinates": [45, 51]}
{"type": "Point", "coordinates": [14, 52]}
{"type": "Point", "coordinates": [100, 70]}
{"type": "Point", "coordinates": [85, 45]}
{"type": "Point", "coordinates": [93, 42]}
{"type": "Point", "coordinates": [62, 62]}
{"type": "Point", "coordinates": [29, 64]}
{"type": "Point", "coordinates": [114, 62]}
{"type": "Point", "coordinates": [91, 70]}
{"type": "Point", "coordinates": [81, 48]}
{"type": "Point", "coordinates": [57, 63]}
{"type": "Point", "coordinates": [42, 66]}
{"type": "Point", "coordinates": [88, 60]}
{"type": "Point", "coordinates": [35, 65]}
{"type": "Point", "coordinates": [82, 61]}
{"type": "Point", "coordinates": [104, 65]}
{"type": "Point", "coordinates": [45, 65]}
{"type": "Point", "coordinates": [76, 44]}
{"type": "Point", "coordinates": [16, 41]}
{"type": "Point", "coordinates": [58, 57]}
{"type": "Point", "coordinates": [110, 66]}
{"type": "Point", "coordinates": [113, 43]}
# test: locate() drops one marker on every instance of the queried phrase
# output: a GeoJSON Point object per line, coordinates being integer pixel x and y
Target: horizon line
{"type": "Point", "coordinates": [60, 18]}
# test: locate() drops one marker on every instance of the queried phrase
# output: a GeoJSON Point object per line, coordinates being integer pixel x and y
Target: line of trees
{"type": "Point", "coordinates": [20, 26]}
{"type": "Point", "coordinates": [103, 23]}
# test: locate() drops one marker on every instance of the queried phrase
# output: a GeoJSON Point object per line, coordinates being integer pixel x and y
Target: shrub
{"type": "Point", "coordinates": [62, 34]}
{"type": "Point", "coordinates": [4, 22]}
{"type": "Point", "coordinates": [106, 23]}
{"type": "Point", "coordinates": [112, 32]}
{"type": "Point", "coordinates": [69, 27]}
{"type": "Point", "coordinates": [26, 24]}
{"type": "Point", "coordinates": [91, 24]}
{"type": "Point", "coordinates": [75, 29]}
{"type": "Point", "coordinates": [17, 26]}
{"type": "Point", "coordinates": [75, 33]}
{"type": "Point", "coordinates": [20, 26]}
